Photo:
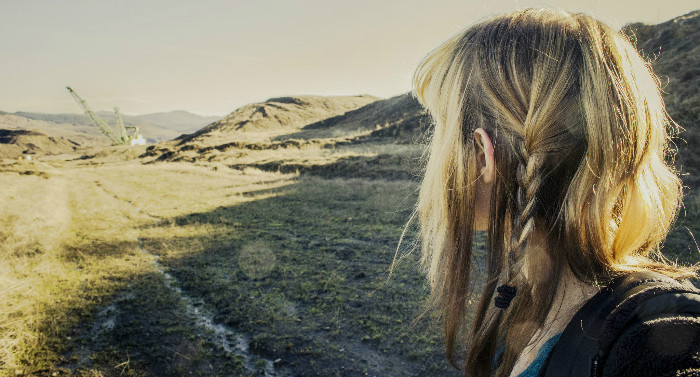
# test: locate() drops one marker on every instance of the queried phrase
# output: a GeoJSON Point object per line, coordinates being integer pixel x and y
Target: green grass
{"type": "Point", "coordinates": [305, 273]}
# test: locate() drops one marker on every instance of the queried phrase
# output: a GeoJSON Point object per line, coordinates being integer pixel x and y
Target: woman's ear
{"type": "Point", "coordinates": [484, 156]}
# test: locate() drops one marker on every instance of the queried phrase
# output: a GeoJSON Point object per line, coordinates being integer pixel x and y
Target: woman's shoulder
{"type": "Point", "coordinates": [665, 345]}
{"type": "Point", "coordinates": [655, 331]}
{"type": "Point", "coordinates": [626, 328]}
{"type": "Point", "coordinates": [646, 296]}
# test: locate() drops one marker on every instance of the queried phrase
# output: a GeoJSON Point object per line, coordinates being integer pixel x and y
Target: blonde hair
{"type": "Point", "coordinates": [582, 161]}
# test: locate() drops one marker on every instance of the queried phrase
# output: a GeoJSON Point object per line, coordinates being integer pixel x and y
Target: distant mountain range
{"type": "Point", "coordinates": [79, 127]}
{"type": "Point", "coordinates": [178, 120]}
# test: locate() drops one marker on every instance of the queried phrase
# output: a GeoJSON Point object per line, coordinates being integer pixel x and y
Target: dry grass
{"type": "Point", "coordinates": [69, 239]}
{"type": "Point", "coordinates": [57, 251]}
{"type": "Point", "coordinates": [169, 190]}
{"type": "Point", "coordinates": [31, 233]}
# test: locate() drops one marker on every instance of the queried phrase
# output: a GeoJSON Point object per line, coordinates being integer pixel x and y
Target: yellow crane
{"type": "Point", "coordinates": [124, 135]}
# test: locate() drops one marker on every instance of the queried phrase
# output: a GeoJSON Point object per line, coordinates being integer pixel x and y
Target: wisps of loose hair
{"type": "Point", "coordinates": [583, 173]}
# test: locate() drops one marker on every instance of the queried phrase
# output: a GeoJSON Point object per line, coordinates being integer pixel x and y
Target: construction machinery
{"type": "Point", "coordinates": [123, 135]}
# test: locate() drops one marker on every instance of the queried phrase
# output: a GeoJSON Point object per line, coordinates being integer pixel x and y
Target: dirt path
{"type": "Point", "coordinates": [192, 312]}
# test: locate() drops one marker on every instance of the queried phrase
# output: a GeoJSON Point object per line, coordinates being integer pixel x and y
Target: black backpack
{"type": "Point", "coordinates": [581, 350]}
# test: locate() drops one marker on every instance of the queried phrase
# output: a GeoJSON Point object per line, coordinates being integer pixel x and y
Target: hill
{"type": "Point", "coordinates": [82, 134]}
{"type": "Point", "coordinates": [279, 115]}
{"type": "Point", "coordinates": [15, 143]}
{"type": "Point", "coordinates": [286, 135]}
{"type": "Point", "coordinates": [400, 118]}
{"type": "Point", "coordinates": [674, 52]}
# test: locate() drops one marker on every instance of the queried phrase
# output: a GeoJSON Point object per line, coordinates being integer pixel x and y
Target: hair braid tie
{"type": "Point", "coordinates": [506, 293]}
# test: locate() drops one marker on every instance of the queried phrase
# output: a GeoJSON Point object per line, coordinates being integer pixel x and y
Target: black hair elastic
{"type": "Point", "coordinates": [505, 296]}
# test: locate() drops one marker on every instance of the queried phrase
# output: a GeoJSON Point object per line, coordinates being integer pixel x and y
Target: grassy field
{"type": "Point", "coordinates": [177, 269]}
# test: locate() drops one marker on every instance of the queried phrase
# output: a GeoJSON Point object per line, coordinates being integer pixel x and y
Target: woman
{"type": "Point", "coordinates": [550, 134]}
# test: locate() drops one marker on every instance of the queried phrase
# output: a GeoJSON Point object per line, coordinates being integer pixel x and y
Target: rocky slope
{"type": "Point", "coordinates": [674, 52]}
{"type": "Point", "coordinates": [400, 118]}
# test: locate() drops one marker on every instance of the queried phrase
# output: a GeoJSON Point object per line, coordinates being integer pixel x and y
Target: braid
{"type": "Point", "coordinates": [528, 184]}
{"type": "Point", "coordinates": [529, 180]}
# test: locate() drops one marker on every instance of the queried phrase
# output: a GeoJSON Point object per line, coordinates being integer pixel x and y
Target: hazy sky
{"type": "Point", "coordinates": [210, 56]}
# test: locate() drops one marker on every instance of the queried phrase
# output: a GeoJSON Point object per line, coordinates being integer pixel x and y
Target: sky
{"type": "Point", "coordinates": [211, 57]}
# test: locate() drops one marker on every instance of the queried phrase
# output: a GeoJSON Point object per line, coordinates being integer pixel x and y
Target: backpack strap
{"type": "Point", "coordinates": [579, 351]}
